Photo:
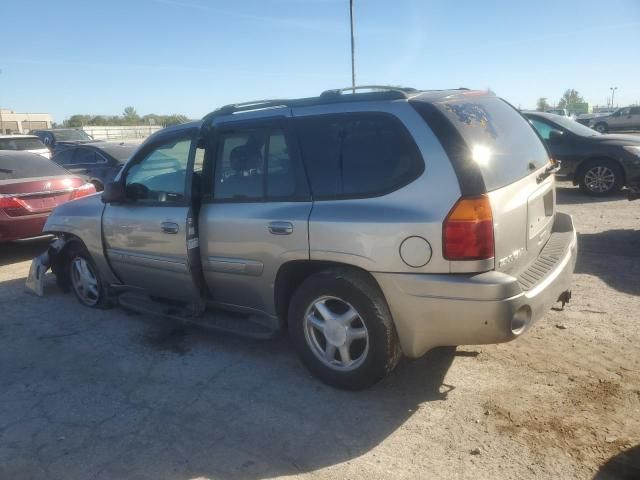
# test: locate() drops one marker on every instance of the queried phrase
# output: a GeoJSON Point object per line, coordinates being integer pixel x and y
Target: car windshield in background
{"type": "Point", "coordinates": [15, 166]}
{"type": "Point", "coordinates": [71, 136]}
{"type": "Point", "coordinates": [575, 127]}
{"type": "Point", "coordinates": [121, 153]}
{"type": "Point", "coordinates": [27, 143]}
{"type": "Point", "coordinates": [501, 142]}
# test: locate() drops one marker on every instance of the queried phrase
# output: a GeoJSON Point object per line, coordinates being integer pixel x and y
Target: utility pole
{"type": "Point", "coordinates": [613, 94]}
{"type": "Point", "coordinates": [353, 62]}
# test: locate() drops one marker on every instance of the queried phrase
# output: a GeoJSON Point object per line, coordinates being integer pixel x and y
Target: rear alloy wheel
{"type": "Point", "coordinates": [601, 178]}
{"type": "Point", "coordinates": [601, 127]}
{"type": "Point", "coordinates": [85, 280]}
{"type": "Point", "coordinates": [342, 329]}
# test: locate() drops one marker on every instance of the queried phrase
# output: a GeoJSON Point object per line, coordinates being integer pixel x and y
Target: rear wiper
{"type": "Point", "coordinates": [550, 170]}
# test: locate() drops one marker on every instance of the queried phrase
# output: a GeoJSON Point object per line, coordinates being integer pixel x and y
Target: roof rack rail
{"type": "Point", "coordinates": [386, 88]}
{"type": "Point", "coordinates": [339, 95]}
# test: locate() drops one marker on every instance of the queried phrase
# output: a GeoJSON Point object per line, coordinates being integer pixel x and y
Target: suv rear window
{"type": "Point", "coordinates": [28, 143]}
{"type": "Point", "coordinates": [500, 142]}
{"type": "Point", "coordinates": [355, 155]}
{"type": "Point", "coordinates": [26, 165]}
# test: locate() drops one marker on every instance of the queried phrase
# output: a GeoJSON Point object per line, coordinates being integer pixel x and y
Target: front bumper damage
{"type": "Point", "coordinates": [40, 265]}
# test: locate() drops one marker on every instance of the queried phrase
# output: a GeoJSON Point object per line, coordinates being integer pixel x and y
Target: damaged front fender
{"type": "Point", "coordinates": [40, 265]}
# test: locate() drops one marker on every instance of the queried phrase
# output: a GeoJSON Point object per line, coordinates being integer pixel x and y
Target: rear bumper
{"type": "Point", "coordinates": [439, 310]}
{"type": "Point", "coordinates": [16, 228]}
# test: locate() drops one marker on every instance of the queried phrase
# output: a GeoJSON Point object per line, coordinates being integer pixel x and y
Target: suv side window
{"type": "Point", "coordinates": [255, 164]}
{"type": "Point", "coordinates": [357, 154]}
{"type": "Point", "coordinates": [161, 175]}
{"type": "Point", "coordinates": [635, 110]}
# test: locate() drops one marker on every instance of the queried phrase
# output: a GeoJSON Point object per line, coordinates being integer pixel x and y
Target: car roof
{"type": "Point", "coordinates": [21, 153]}
{"type": "Point", "coordinates": [18, 135]}
{"type": "Point", "coordinates": [346, 95]}
{"type": "Point", "coordinates": [549, 116]}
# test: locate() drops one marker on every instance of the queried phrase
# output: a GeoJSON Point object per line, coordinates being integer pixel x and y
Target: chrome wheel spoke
{"type": "Point", "coordinates": [330, 352]}
{"type": "Point", "coordinates": [348, 317]}
{"type": "Point", "coordinates": [356, 334]}
{"type": "Point", "coordinates": [317, 323]}
{"type": "Point", "coordinates": [324, 312]}
{"type": "Point", "coordinates": [345, 355]}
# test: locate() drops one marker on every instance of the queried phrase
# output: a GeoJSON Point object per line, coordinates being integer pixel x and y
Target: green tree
{"type": "Point", "coordinates": [570, 97]}
{"type": "Point", "coordinates": [130, 116]}
{"type": "Point", "coordinates": [75, 121]}
{"type": "Point", "coordinates": [174, 119]}
{"type": "Point", "coordinates": [542, 105]}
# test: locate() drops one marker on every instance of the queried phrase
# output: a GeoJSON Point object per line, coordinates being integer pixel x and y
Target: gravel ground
{"type": "Point", "coordinates": [112, 395]}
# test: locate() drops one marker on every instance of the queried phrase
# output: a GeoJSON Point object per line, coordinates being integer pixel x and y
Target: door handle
{"type": "Point", "coordinates": [281, 228]}
{"type": "Point", "coordinates": [170, 227]}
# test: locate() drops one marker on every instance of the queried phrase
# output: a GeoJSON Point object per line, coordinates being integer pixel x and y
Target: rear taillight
{"type": "Point", "coordinates": [468, 230]}
{"type": "Point", "coordinates": [9, 202]}
{"type": "Point", "coordinates": [83, 191]}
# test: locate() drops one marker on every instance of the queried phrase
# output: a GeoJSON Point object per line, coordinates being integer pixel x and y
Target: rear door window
{"type": "Point", "coordinates": [357, 155]}
{"type": "Point", "coordinates": [499, 140]}
{"type": "Point", "coordinates": [65, 157]}
{"type": "Point", "coordinates": [84, 156]}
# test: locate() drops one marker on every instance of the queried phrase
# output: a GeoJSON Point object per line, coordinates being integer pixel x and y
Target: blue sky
{"type": "Point", "coordinates": [190, 56]}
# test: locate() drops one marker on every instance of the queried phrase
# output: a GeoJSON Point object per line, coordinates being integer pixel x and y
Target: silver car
{"type": "Point", "coordinates": [370, 225]}
{"type": "Point", "coordinates": [627, 118]}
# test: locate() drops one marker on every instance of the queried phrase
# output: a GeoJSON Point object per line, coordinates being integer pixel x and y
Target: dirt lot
{"type": "Point", "coordinates": [109, 395]}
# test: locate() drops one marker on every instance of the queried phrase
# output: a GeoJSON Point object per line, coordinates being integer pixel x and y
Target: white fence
{"type": "Point", "coordinates": [121, 133]}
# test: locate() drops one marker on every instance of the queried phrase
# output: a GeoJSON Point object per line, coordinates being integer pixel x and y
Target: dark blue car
{"type": "Point", "coordinates": [97, 162]}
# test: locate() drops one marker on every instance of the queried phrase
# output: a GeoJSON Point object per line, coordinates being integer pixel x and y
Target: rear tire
{"type": "Point", "coordinates": [84, 278]}
{"type": "Point", "coordinates": [601, 178]}
{"type": "Point", "coordinates": [342, 329]}
{"type": "Point", "coordinates": [601, 127]}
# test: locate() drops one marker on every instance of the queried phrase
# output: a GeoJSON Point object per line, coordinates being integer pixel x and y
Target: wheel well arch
{"type": "Point", "coordinates": [291, 275]}
{"type": "Point", "coordinates": [598, 158]}
{"type": "Point", "coordinates": [97, 183]}
{"type": "Point", "coordinates": [59, 259]}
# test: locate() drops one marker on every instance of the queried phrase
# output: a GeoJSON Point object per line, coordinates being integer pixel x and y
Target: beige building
{"type": "Point", "coordinates": [12, 122]}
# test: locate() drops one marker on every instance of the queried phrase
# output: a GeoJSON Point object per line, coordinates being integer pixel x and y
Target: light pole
{"type": "Point", "coordinates": [353, 62]}
{"type": "Point", "coordinates": [613, 94]}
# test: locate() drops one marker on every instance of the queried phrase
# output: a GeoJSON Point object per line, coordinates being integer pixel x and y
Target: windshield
{"type": "Point", "coordinates": [575, 127]}
{"type": "Point", "coordinates": [21, 143]}
{"type": "Point", "coordinates": [71, 135]}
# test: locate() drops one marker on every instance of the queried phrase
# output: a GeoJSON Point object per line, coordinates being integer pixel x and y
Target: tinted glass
{"type": "Point", "coordinates": [121, 153]}
{"type": "Point", "coordinates": [357, 154]}
{"type": "Point", "coordinates": [161, 175]}
{"type": "Point", "coordinates": [71, 135]}
{"type": "Point", "coordinates": [65, 157]}
{"type": "Point", "coordinates": [635, 110]}
{"type": "Point", "coordinates": [243, 157]}
{"type": "Point", "coordinates": [543, 129]}
{"type": "Point", "coordinates": [500, 142]}
{"type": "Point", "coordinates": [83, 156]}
{"type": "Point", "coordinates": [14, 166]}
{"type": "Point", "coordinates": [575, 127]}
{"type": "Point", "coordinates": [21, 144]}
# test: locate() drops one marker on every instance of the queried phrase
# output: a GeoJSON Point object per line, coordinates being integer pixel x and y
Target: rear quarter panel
{"type": "Point", "coordinates": [368, 232]}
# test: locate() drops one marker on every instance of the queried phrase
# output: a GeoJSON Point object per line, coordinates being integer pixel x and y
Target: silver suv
{"type": "Point", "coordinates": [369, 225]}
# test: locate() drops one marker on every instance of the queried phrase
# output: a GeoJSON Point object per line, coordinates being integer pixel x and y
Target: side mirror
{"type": "Point", "coordinates": [114, 192]}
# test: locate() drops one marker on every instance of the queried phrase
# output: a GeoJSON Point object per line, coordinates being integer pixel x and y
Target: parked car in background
{"type": "Point", "coordinates": [30, 188]}
{"type": "Point", "coordinates": [98, 163]}
{"type": "Point", "coordinates": [369, 225]}
{"type": "Point", "coordinates": [601, 164]}
{"type": "Point", "coordinates": [627, 118]}
{"type": "Point", "coordinates": [601, 112]}
{"type": "Point", "coordinates": [24, 143]}
{"type": "Point", "coordinates": [59, 138]}
{"type": "Point", "coordinates": [563, 112]}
